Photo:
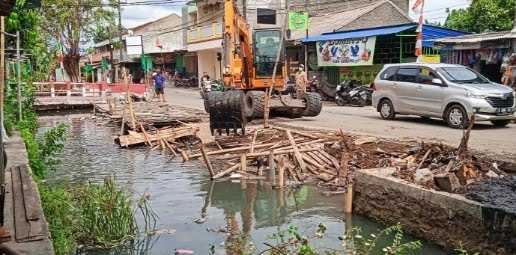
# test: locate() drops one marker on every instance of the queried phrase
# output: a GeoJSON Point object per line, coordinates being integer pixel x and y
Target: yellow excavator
{"type": "Point", "coordinates": [250, 59]}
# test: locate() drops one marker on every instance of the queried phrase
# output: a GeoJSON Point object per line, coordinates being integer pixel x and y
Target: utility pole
{"type": "Point", "coordinates": [121, 45]}
{"type": "Point", "coordinates": [306, 36]}
{"type": "Point", "coordinates": [2, 85]}
{"type": "Point", "coordinates": [18, 75]}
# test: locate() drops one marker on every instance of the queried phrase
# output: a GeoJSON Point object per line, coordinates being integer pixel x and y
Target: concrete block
{"type": "Point", "coordinates": [423, 175]}
{"type": "Point", "coordinates": [447, 182]}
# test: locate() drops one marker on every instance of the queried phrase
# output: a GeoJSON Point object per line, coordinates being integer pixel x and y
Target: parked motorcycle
{"type": "Point", "coordinates": [210, 85]}
{"type": "Point", "coordinates": [207, 87]}
{"type": "Point", "coordinates": [353, 93]}
{"type": "Point", "coordinates": [186, 82]}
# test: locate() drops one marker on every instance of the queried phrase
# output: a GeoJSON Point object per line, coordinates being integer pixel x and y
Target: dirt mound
{"type": "Point", "coordinates": [495, 193]}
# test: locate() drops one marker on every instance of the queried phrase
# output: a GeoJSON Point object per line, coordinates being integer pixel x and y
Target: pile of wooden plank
{"type": "Point", "coordinates": [149, 113]}
{"type": "Point", "coordinates": [279, 155]}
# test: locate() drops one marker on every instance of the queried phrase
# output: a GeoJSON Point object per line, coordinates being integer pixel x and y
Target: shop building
{"type": "Point", "coordinates": [354, 15]}
{"type": "Point", "coordinates": [361, 53]}
{"type": "Point", "coordinates": [204, 34]}
{"type": "Point", "coordinates": [487, 53]}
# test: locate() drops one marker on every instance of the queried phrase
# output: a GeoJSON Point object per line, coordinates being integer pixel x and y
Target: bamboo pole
{"type": "Point", "coordinates": [207, 161]}
{"type": "Point", "coordinates": [227, 171]}
{"type": "Point", "coordinates": [348, 203]}
{"type": "Point", "coordinates": [243, 162]}
{"type": "Point", "coordinates": [297, 154]}
{"type": "Point", "coordinates": [268, 95]}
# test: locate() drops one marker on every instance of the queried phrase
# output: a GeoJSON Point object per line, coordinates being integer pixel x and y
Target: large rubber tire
{"type": "Point", "coordinates": [254, 104]}
{"type": "Point", "coordinates": [456, 117]}
{"type": "Point", "coordinates": [386, 109]}
{"type": "Point", "coordinates": [313, 104]}
{"type": "Point", "coordinates": [501, 123]}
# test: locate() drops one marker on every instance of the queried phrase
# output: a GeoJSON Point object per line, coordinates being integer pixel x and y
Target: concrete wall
{"type": "Point", "coordinates": [207, 62]}
{"type": "Point", "coordinates": [384, 15]}
{"type": "Point", "coordinates": [446, 219]}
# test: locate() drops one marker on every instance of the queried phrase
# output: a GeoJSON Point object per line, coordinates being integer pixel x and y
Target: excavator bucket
{"type": "Point", "coordinates": [226, 111]}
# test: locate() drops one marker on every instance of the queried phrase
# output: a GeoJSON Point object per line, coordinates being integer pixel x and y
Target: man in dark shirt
{"type": "Point", "coordinates": [159, 85]}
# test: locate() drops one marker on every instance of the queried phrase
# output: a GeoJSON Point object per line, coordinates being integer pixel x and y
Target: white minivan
{"type": "Point", "coordinates": [451, 92]}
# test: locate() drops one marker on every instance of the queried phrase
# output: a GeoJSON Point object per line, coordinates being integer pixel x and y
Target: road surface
{"type": "Point", "coordinates": [365, 120]}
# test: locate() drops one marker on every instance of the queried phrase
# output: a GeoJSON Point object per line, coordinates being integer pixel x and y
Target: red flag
{"type": "Point", "coordinates": [417, 4]}
{"type": "Point", "coordinates": [158, 43]}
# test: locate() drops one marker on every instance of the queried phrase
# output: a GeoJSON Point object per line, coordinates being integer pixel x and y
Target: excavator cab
{"type": "Point", "coordinates": [266, 46]}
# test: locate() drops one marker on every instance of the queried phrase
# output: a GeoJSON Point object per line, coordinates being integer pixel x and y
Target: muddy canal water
{"type": "Point", "coordinates": [192, 210]}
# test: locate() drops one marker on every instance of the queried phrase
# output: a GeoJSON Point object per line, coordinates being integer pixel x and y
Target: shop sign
{"type": "Point", "coordinates": [431, 59]}
{"type": "Point", "coordinates": [467, 46]}
{"type": "Point", "coordinates": [348, 52]}
{"type": "Point", "coordinates": [298, 20]}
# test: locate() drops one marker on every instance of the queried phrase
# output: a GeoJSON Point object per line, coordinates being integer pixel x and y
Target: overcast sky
{"type": "Point", "coordinates": [435, 11]}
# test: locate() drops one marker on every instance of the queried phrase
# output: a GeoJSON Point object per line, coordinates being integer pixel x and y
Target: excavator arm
{"type": "Point", "coordinates": [238, 48]}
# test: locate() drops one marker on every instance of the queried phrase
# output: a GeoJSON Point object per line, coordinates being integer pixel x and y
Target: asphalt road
{"type": "Point", "coordinates": [365, 120]}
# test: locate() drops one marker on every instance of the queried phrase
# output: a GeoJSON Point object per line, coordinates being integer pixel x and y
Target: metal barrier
{"type": "Point", "coordinates": [84, 89]}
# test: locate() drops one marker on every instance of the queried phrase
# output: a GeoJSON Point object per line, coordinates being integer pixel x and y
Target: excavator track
{"type": "Point", "coordinates": [226, 111]}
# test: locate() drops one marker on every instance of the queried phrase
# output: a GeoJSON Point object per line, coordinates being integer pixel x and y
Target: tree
{"type": "Point", "coordinates": [483, 16]}
{"type": "Point", "coordinates": [26, 19]}
{"type": "Point", "coordinates": [71, 24]}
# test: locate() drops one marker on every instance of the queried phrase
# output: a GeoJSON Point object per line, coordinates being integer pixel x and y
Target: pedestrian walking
{"type": "Point", "coordinates": [159, 85]}
{"type": "Point", "coordinates": [301, 82]}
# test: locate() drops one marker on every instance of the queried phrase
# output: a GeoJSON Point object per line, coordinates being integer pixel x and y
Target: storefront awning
{"type": "Point", "coordinates": [430, 33]}
{"type": "Point", "coordinates": [360, 33]}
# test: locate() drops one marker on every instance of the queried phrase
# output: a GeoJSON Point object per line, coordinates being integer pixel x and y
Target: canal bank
{"type": "Point", "coordinates": [23, 213]}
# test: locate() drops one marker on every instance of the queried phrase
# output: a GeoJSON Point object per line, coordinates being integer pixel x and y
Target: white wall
{"type": "Point", "coordinates": [207, 62]}
{"type": "Point", "coordinates": [171, 42]}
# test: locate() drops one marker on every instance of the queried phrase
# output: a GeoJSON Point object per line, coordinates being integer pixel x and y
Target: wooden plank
{"type": "Point", "coordinates": [272, 168]}
{"type": "Point", "coordinates": [135, 138]}
{"type": "Point", "coordinates": [24, 230]}
{"type": "Point", "coordinates": [145, 135]}
{"type": "Point", "coordinates": [296, 132]}
{"type": "Point", "coordinates": [281, 172]}
{"type": "Point", "coordinates": [276, 152]}
{"type": "Point", "coordinates": [227, 171]}
{"type": "Point", "coordinates": [29, 195]}
{"type": "Point", "coordinates": [242, 148]}
{"type": "Point", "coordinates": [297, 154]}
{"type": "Point", "coordinates": [253, 141]}
{"type": "Point", "coordinates": [243, 162]}
{"type": "Point", "coordinates": [334, 161]}
{"type": "Point", "coordinates": [207, 161]}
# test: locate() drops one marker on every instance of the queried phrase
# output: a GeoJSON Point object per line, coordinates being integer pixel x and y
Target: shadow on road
{"type": "Point", "coordinates": [438, 122]}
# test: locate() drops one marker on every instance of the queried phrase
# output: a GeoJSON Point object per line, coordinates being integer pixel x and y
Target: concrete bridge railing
{"type": "Point", "coordinates": [84, 89]}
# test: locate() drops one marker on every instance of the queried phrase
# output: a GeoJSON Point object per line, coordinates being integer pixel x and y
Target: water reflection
{"type": "Point", "coordinates": [195, 213]}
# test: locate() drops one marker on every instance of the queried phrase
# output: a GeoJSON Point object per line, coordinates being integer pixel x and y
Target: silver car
{"type": "Point", "coordinates": [451, 92]}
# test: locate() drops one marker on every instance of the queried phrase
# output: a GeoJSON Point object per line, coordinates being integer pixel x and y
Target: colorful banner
{"type": "Point", "coordinates": [431, 59]}
{"type": "Point", "coordinates": [298, 20]}
{"type": "Point", "coordinates": [348, 52]}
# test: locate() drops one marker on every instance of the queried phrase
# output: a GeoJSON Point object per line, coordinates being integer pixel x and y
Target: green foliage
{"type": "Point", "coordinates": [91, 215]}
{"type": "Point", "coordinates": [368, 245]}
{"type": "Point", "coordinates": [293, 242]}
{"type": "Point", "coordinates": [483, 16]}
{"type": "Point", "coordinates": [34, 40]}
{"type": "Point", "coordinates": [107, 217]}
{"type": "Point", "coordinates": [69, 23]}
{"type": "Point", "coordinates": [62, 214]}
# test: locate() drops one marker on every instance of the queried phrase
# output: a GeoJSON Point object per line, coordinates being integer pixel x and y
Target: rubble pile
{"type": "Point", "coordinates": [285, 157]}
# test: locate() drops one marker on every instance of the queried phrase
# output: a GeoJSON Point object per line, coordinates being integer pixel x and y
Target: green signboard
{"type": "Point", "coordinates": [146, 62]}
{"type": "Point", "coordinates": [298, 20]}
